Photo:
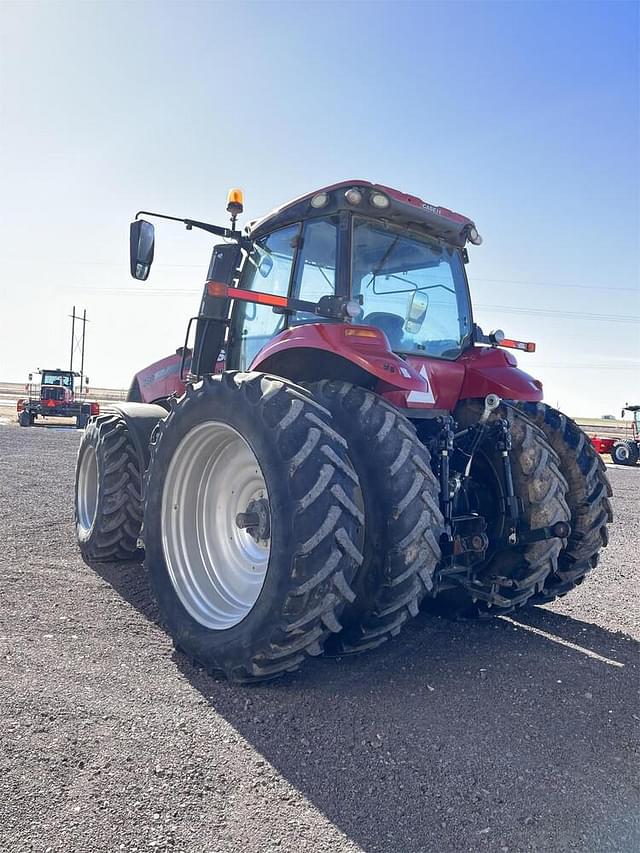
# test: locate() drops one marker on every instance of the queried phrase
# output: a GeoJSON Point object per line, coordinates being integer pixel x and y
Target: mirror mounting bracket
{"type": "Point", "coordinates": [218, 230]}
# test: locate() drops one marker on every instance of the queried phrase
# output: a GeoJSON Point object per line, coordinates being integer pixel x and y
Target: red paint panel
{"type": "Point", "coordinates": [445, 380]}
{"type": "Point", "coordinates": [160, 379]}
{"type": "Point", "coordinates": [370, 353]}
{"type": "Point", "coordinates": [492, 371]}
{"type": "Point", "coordinates": [602, 445]}
{"type": "Point", "coordinates": [414, 201]}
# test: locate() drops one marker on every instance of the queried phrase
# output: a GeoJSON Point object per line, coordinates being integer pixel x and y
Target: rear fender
{"type": "Point", "coordinates": [358, 354]}
{"type": "Point", "coordinates": [161, 379]}
{"type": "Point", "coordinates": [490, 370]}
{"type": "Point", "coordinates": [141, 420]}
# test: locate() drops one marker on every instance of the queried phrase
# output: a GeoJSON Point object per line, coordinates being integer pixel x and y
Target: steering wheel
{"type": "Point", "coordinates": [390, 324]}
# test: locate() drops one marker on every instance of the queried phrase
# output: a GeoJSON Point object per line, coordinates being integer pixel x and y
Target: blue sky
{"type": "Point", "coordinates": [523, 116]}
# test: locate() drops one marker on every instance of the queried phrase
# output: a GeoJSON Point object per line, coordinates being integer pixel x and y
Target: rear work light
{"type": "Point", "coordinates": [473, 236]}
{"type": "Point", "coordinates": [353, 196]}
{"type": "Point", "coordinates": [379, 200]}
{"type": "Point", "coordinates": [320, 200]}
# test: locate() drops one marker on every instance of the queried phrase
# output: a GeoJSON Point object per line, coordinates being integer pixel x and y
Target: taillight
{"type": "Point", "coordinates": [20, 405]}
{"type": "Point", "coordinates": [95, 409]}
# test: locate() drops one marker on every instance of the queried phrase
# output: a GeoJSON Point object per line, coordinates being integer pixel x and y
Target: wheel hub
{"type": "Point", "coordinates": [256, 520]}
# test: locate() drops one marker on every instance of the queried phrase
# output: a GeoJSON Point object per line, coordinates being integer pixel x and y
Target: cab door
{"type": "Point", "coordinates": [297, 261]}
{"type": "Point", "coordinates": [267, 269]}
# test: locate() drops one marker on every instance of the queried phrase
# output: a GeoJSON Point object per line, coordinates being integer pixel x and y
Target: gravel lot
{"type": "Point", "coordinates": [455, 737]}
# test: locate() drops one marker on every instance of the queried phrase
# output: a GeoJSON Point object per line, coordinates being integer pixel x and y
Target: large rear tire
{"type": "Point", "coordinates": [108, 502]}
{"type": "Point", "coordinates": [403, 521]}
{"type": "Point", "coordinates": [587, 497]}
{"type": "Point", "coordinates": [250, 525]}
{"type": "Point", "coordinates": [509, 577]}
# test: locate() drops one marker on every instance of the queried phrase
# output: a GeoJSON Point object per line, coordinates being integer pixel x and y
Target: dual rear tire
{"type": "Point", "coordinates": [276, 520]}
{"type": "Point", "coordinates": [108, 493]}
{"type": "Point", "coordinates": [252, 525]}
{"type": "Point", "coordinates": [588, 496]}
{"type": "Point", "coordinates": [510, 576]}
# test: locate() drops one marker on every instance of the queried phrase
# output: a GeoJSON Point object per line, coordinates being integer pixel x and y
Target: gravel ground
{"type": "Point", "coordinates": [507, 736]}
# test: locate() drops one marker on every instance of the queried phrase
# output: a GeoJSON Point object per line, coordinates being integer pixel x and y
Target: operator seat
{"type": "Point", "coordinates": [390, 324]}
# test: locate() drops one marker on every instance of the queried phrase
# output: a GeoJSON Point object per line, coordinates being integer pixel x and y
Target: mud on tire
{"type": "Point", "coordinates": [588, 499]}
{"type": "Point", "coordinates": [403, 521]}
{"type": "Point", "coordinates": [314, 525]}
{"type": "Point", "coordinates": [511, 577]}
{"type": "Point", "coordinates": [108, 502]}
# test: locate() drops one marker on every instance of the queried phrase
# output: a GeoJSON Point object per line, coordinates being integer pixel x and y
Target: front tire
{"type": "Point", "coordinates": [108, 502]}
{"type": "Point", "coordinates": [251, 524]}
{"type": "Point", "coordinates": [403, 521]}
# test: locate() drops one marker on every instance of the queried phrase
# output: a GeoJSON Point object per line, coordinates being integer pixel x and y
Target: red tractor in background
{"type": "Point", "coordinates": [340, 445]}
{"type": "Point", "coordinates": [626, 450]}
{"type": "Point", "coordinates": [56, 397]}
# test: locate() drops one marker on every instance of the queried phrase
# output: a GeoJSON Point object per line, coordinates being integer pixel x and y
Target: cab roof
{"type": "Point", "coordinates": [403, 209]}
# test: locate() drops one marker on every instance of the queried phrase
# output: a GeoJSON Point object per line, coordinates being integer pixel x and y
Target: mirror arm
{"type": "Point", "coordinates": [218, 230]}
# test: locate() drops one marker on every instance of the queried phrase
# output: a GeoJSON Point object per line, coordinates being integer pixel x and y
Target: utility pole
{"type": "Point", "coordinates": [78, 343]}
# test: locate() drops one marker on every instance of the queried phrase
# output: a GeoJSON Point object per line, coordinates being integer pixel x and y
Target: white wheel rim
{"type": "Point", "coordinates": [216, 567]}
{"type": "Point", "coordinates": [87, 491]}
{"type": "Point", "coordinates": [622, 453]}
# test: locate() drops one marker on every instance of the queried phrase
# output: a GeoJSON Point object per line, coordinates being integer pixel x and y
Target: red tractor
{"type": "Point", "coordinates": [623, 451]}
{"type": "Point", "coordinates": [340, 445]}
{"type": "Point", "coordinates": [55, 397]}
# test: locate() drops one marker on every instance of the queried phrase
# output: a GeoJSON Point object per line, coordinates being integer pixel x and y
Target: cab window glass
{"type": "Point", "coordinates": [57, 379]}
{"type": "Point", "coordinates": [267, 270]}
{"type": "Point", "coordinates": [316, 265]}
{"type": "Point", "coordinates": [412, 288]}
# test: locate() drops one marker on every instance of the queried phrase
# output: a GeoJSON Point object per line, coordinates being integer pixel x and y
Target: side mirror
{"type": "Point", "coordinates": [141, 245]}
{"type": "Point", "coordinates": [418, 307]}
{"type": "Point", "coordinates": [265, 266]}
{"type": "Point", "coordinates": [86, 380]}
{"type": "Point", "coordinates": [31, 377]}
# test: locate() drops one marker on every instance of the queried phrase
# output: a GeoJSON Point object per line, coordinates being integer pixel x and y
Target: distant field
{"type": "Point", "coordinates": [603, 421]}
{"type": "Point", "coordinates": [17, 389]}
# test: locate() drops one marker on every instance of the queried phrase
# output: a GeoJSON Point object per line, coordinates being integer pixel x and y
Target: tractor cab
{"type": "Point", "coordinates": [400, 260]}
{"type": "Point", "coordinates": [57, 385]}
{"type": "Point", "coordinates": [396, 265]}
{"type": "Point", "coordinates": [634, 411]}
{"type": "Point", "coordinates": [353, 280]}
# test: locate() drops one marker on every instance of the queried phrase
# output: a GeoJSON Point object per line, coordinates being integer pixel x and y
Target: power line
{"type": "Point", "coordinates": [555, 284]}
{"type": "Point", "coordinates": [567, 315]}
